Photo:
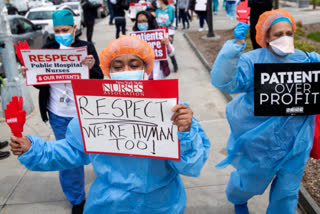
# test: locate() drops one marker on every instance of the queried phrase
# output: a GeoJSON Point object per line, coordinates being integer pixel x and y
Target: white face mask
{"type": "Point", "coordinates": [128, 75]}
{"type": "Point", "coordinates": [282, 46]}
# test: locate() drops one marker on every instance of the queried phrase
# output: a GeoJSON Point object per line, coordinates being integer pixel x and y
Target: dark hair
{"type": "Point", "coordinates": [165, 2]}
{"type": "Point", "coordinates": [151, 21]}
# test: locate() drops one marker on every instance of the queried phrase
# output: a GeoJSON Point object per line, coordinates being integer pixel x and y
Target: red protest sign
{"type": "Point", "coordinates": [54, 66]}
{"type": "Point", "coordinates": [15, 116]}
{"type": "Point", "coordinates": [154, 38]}
{"type": "Point", "coordinates": [243, 11]}
{"type": "Point", "coordinates": [19, 47]}
{"type": "Point", "coordinates": [130, 118]}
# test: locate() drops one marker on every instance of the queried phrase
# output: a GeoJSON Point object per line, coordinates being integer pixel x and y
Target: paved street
{"type": "Point", "coordinates": [26, 192]}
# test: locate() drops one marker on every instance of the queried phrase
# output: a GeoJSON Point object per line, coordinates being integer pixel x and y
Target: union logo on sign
{"type": "Point", "coordinates": [123, 87]}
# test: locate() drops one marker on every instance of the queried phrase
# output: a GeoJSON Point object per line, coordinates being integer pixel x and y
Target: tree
{"type": "Point", "coordinates": [209, 17]}
{"type": "Point", "coordinates": [314, 4]}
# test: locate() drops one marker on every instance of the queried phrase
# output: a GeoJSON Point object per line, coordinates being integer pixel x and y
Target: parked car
{"type": "Point", "coordinates": [24, 30]}
{"type": "Point", "coordinates": [76, 7]}
{"type": "Point", "coordinates": [43, 16]}
{"type": "Point", "coordinates": [21, 5]}
{"type": "Point", "coordinates": [39, 3]}
{"type": "Point", "coordinates": [76, 18]}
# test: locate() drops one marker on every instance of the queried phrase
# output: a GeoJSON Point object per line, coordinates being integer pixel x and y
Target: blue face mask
{"type": "Point", "coordinates": [127, 75]}
{"type": "Point", "coordinates": [143, 26]}
{"type": "Point", "coordinates": [64, 38]}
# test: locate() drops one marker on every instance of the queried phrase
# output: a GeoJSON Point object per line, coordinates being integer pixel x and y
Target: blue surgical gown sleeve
{"type": "Point", "coordinates": [194, 150]}
{"type": "Point", "coordinates": [229, 73]}
{"type": "Point", "coordinates": [315, 57]}
{"type": "Point", "coordinates": [63, 154]}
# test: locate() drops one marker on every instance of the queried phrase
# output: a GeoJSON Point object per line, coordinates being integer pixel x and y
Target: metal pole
{"type": "Point", "coordinates": [14, 83]}
{"type": "Point", "coordinates": [276, 4]}
{"type": "Point", "coordinates": [176, 13]}
{"type": "Point", "coordinates": [209, 17]}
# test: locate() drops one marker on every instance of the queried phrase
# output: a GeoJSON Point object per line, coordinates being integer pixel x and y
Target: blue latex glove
{"type": "Point", "coordinates": [240, 31]}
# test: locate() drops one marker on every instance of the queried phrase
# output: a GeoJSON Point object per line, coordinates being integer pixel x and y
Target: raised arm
{"type": "Point", "coordinates": [228, 71]}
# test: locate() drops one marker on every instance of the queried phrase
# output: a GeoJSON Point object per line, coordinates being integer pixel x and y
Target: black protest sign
{"type": "Point", "coordinates": [286, 89]}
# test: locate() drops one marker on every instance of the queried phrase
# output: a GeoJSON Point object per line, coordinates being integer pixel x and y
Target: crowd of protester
{"type": "Point", "coordinates": [262, 150]}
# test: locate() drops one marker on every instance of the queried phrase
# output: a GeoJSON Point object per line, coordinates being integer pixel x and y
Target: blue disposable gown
{"type": "Point", "coordinates": [125, 184]}
{"type": "Point", "coordinates": [262, 149]}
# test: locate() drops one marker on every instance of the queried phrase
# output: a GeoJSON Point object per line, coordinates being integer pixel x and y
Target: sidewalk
{"type": "Point", "coordinates": [26, 192]}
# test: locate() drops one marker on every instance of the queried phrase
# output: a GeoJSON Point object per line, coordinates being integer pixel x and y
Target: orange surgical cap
{"type": "Point", "coordinates": [126, 45]}
{"type": "Point", "coordinates": [267, 19]}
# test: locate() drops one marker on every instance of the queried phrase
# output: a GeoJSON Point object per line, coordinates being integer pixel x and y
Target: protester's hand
{"type": "Point", "coordinates": [88, 61]}
{"type": "Point", "coordinates": [182, 117]}
{"type": "Point", "coordinates": [20, 145]}
{"type": "Point", "coordinates": [165, 41]}
{"type": "Point", "coordinates": [186, 10]}
{"type": "Point", "coordinates": [23, 71]}
{"type": "Point", "coordinates": [240, 31]}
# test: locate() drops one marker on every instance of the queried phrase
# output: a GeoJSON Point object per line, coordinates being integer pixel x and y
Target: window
{"type": "Point", "coordinates": [14, 26]}
{"type": "Point", "coordinates": [28, 27]}
{"type": "Point", "coordinates": [73, 6]}
{"type": "Point", "coordinates": [40, 15]}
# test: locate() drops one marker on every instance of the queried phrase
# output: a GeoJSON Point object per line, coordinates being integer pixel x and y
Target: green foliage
{"type": "Point", "coordinates": [1, 83]}
{"type": "Point", "coordinates": [304, 46]}
{"type": "Point", "coordinates": [314, 36]}
{"type": "Point", "coordinates": [248, 44]}
{"type": "Point", "coordinates": [299, 32]}
{"type": "Point", "coordinates": [317, 2]}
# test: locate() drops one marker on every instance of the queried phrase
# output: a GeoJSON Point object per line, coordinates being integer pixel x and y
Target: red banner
{"type": "Point", "coordinates": [154, 38]}
{"type": "Point", "coordinates": [131, 118]}
{"type": "Point", "coordinates": [57, 77]}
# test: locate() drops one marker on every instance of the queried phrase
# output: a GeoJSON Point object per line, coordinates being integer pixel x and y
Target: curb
{"type": "Point", "coordinates": [204, 62]}
{"type": "Point", "coordinates": [305, 203]}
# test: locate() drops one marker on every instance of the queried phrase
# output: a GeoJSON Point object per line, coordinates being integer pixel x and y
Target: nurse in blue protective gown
{"type": "Point", "coordinates": [262, 149]}
{"type": "Point", "coordinates": [124, 184]}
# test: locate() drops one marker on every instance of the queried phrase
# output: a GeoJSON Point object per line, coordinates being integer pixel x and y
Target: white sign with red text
{"type": "Point", "coordinates": [136, 8]}
{"type": "Point", "coordinates": [131, 118]}
{"type": "Point", "coordinates": [154, 39]}
{"type": "Point", "coordinates": [53, 66]}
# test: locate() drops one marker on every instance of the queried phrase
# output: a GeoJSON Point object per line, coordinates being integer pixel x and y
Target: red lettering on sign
{"type": "Point", "coordinates": [33, 58]}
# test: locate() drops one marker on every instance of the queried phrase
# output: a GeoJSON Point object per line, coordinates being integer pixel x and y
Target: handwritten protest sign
{"type": "Point", "coordinates": [286, 89]}
{"type": "Point", "coordinates": [154, 38]}
{"type": "Point", "coordinates": [128, 117]}
{"type": "Point", "coordinates": [52, 66]}
{"type": "Point", "coordinates": [136, 8]}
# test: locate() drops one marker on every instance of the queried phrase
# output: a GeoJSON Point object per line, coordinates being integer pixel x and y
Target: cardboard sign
{"type": "Point", "coordinates": [136, 8]}
{"type": "Point", "coordinates": [201, 5]}
{"type": "Point", "coordinates": [286, 89]}
{"type": "Point", "coordinates": [53, 66]}
{"type": "Point", "coordinates": [129, 118]}
{"type": "Point", "coordinates": [154, 37]}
